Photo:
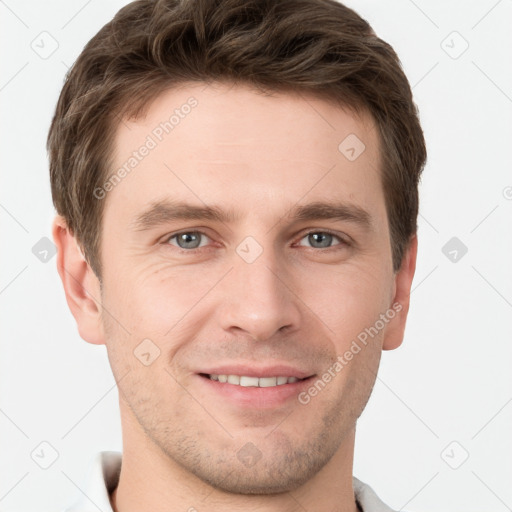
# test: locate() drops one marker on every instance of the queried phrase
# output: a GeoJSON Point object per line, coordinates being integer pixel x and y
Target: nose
{"type": "Point", "coordinates": [258, 298]}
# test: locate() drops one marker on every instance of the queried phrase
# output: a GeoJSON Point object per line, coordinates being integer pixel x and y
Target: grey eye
{"type": "Point", "coordinates": [188, 239]}
{"type": "Point", "coordinates": [320, 239]}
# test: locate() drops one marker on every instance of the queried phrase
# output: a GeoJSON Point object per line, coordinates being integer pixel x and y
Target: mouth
{"type": "Point", "coordinates": [248, 381]}
{"type": "Point", "coordinates": [262, 389]}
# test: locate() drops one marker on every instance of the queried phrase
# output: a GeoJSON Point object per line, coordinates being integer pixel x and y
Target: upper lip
{"type": "Point", "coordinates": [280, 370]}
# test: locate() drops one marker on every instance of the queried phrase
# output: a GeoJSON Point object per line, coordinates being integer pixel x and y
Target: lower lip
{"type": "Point", "coordinates": [256, 397]}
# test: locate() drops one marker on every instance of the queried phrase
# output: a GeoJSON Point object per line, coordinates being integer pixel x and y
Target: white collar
{"type": "Point", "coordinates": [104, 476]}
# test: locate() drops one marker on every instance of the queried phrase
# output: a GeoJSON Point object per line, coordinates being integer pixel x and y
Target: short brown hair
{"type": "Point", "coordinates": [315, 46]}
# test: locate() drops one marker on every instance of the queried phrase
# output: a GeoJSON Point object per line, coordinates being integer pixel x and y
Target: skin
{"type": "Point", "coordinates": [299, 302]}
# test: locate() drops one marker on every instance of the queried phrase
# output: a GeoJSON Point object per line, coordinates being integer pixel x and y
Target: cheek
{"type": "Point", "coordinates": [164, 301]}
{"type": "Point", "coordinates": [350, 299]}
{"type": "Point", "coordinates": [156, 298]}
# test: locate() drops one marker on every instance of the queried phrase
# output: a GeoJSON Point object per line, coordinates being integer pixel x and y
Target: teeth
{"type": "Point", "coordinates": [262, 382]}
{"type": "Point", "coordinates": [248, 381]}
{"type": "Point", "coordinates": [234, 379]}
{"type": "Point", "coordinates": [267, 382]}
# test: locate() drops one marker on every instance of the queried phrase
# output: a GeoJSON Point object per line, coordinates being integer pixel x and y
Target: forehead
{"type": "Point", "coordinates": [234, 145]}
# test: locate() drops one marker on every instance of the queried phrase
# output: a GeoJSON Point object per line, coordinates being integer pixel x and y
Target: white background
{"type": "Point", "coordinates": [450, 380]}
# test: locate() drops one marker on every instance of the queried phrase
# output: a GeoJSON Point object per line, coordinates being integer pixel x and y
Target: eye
{"type": "Point", "coordinates": [187, 239]}
{"type": "Point", "coordinates": [323, 239]}
{"type": "Point", "coordinates": [190, 240]}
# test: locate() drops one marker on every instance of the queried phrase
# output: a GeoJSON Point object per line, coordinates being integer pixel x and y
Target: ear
{"type": "Point", "coordinates": [81, 286]}
{"type": "Point", "coordinates": [394, 333]}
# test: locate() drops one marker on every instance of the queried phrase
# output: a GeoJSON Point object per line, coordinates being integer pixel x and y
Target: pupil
{"type": "Point", "coordinates": [319, 236]}
{"type": "Point", "coordinates": [187, 237]}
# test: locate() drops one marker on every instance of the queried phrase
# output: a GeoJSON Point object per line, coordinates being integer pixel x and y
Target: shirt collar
{"type": "Point", "coordinates": [103, 478]}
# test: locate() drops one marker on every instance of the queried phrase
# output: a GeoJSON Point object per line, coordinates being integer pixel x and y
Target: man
{"type": "Point", "coordinates": [236, 185]}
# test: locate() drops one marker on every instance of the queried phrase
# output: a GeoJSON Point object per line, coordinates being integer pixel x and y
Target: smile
{"type": "Point", "coordinates": [246, 381]}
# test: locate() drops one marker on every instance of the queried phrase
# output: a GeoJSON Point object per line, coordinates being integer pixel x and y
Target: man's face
{"type": "Point", "coordinates": [262, 294]}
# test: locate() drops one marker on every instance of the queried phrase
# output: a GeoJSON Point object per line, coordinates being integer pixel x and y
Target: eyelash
{"type": "Point", "coordinates": [343, 242]}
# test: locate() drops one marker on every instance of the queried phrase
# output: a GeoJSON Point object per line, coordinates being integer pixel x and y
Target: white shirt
{"type": "Point", "coordinates": [104, 476]}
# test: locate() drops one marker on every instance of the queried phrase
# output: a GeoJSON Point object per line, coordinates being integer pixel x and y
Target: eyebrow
{"type": "Point", "coordinates": [166, 210]}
